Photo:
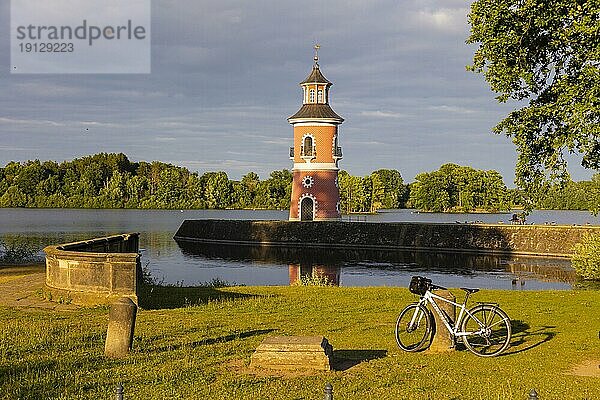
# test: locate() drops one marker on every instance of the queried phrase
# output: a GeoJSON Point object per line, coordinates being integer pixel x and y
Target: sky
{"type": "Point", "coordinates": [225, 78]}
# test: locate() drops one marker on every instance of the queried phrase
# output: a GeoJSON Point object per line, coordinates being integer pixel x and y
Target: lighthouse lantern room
{"type": "Point", "coordinates": [316, 152]}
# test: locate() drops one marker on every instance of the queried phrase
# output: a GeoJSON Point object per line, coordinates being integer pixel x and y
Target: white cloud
{"type": "Point", "coordinates": [31, 122]}
{"type": "Point", "coordinates": [381, 114]}
{"type": "Point", "coordinates": [445, 20]}
{"type": "Point", "coordinates": [13, 148]}
{"type": "Point", "coordinates": [452, 109]}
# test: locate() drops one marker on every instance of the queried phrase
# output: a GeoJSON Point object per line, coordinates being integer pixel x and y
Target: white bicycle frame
{"type": "Point", "coordinates": [430, 297]}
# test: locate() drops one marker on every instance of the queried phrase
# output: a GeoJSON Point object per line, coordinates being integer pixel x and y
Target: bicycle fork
{"type": "Point", "coordinates": [416, 319]}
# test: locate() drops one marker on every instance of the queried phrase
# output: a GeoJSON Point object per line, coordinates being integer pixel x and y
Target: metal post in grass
{"type": "Point", "coordinates": [328, 391]}
{"type": "Point", "coordinates": [119, 392]}
{"type": "Point", "coordinates": [533, 395]}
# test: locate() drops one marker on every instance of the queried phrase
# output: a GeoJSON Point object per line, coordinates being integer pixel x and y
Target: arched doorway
{"type": "Point", "coordinates": [307, 206]}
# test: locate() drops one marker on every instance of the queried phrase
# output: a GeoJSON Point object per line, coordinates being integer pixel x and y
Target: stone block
{"type": "Point", "coordinates": [121, 324]}
{"type": "Point", "coordinates": [293, 352]}
{"type": "Point", "coordinates": [93, 275]}
{"type": "Point", "coordinates": [123, 277]}
{"type": "Point", "coordinates": [442, 340]}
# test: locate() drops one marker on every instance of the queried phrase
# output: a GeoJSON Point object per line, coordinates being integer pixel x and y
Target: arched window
{"type": "Point", "coordinates": [320, 96]}
{"type": "Point", "coordinates": [307, 146]}
{"type": "Point", "coordinates": [312, 95]}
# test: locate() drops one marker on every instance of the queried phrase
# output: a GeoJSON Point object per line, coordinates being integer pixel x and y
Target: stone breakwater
{"type": "Point", "coordinates": [535, 240]}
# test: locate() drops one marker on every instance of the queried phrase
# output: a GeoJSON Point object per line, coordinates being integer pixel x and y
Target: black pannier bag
{"type": "Point", "coordinates": [419, 285]}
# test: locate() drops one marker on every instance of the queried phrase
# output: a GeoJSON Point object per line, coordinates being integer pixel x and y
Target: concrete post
{"type": "Point", "coordinates": [119, 392]}
{"type": "Point", "coordinates": [121, 323]}
{"type": "Point", "coordinates": [442, 340]}
{"type": "Point", "coordinates": [328, 391]}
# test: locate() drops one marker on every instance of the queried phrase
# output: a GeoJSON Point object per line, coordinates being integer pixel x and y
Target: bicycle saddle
{"type": "Point", "coordinates": [469, 290]}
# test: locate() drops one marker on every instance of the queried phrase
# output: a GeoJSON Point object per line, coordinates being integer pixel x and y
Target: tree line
{"type": "Point", "coordinates": [113, 181]}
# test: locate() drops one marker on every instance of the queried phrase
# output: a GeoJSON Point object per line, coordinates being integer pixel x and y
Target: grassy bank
{"type": "Point", "coordinates": [11, 272]}
{"type": "Point", "coordinates": [202, 351]}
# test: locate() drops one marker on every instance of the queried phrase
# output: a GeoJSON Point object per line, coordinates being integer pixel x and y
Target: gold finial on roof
{"type": "Point", "coordinates": [316, 58]}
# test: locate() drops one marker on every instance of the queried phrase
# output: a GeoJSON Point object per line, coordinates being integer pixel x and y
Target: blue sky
{"type": "Point", "coordinates": [225, 78]}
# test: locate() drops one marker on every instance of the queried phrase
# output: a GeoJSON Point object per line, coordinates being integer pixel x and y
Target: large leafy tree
{"type": "Point", "coordinates": [457, 188]}
{"type": "Point", "coordinates": [544, 55]}
{"type": "Point", "coordinates": [393, 186]}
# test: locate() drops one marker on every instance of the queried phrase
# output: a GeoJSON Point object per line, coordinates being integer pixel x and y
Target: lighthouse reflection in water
{"type": "Point", "coordinates": [314, 274]}
{"type": "Point", "coordinates": [268, 265]}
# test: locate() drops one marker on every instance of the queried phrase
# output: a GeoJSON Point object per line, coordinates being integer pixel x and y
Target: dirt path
{"type": "Point", "coordinates": [587, 368]}
{"type": "Point", "coordinates": [22, 287]}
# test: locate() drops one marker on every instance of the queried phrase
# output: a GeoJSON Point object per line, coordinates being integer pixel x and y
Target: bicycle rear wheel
{"type": "Point", "coordinates": [489, 330]}
{"type": "Point", "coordinates": [413, 327]}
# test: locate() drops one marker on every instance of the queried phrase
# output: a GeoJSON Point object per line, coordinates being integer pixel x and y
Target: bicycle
{"type": "Point", "coordinates": [485, 329]}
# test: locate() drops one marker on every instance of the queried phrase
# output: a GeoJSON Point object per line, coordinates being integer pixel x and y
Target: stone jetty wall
{"type": "Point", "coordinates": [538, 240]}
{"type": "Point", "coordinates": [95, 271]}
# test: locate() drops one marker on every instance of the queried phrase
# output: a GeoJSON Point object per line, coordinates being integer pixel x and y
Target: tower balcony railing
{"type": "Point", "coordinates": [308, 152]}
{"type": "Point", "coordinates": [337, 152]}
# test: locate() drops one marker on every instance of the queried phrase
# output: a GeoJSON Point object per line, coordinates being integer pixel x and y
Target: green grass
{"type": "Point", "coordinates": [11, 272]}
{"type": "Point", "coordinates": [202, 351]}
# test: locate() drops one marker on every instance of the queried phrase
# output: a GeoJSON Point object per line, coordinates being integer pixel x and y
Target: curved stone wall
{"type": "Point", "coordinates": [95, 271]}
{"type": "Point", "coordinates": [538, 240]}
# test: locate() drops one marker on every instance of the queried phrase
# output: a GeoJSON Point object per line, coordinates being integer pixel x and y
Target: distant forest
{"type": "Point", "coordinates": [113, 181]}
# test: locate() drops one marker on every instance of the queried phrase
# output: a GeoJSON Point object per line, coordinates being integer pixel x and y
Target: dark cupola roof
{"type": "Point", "coordinates": [316, 76]}
{"type": "Point", "coordinates": [316, 111]}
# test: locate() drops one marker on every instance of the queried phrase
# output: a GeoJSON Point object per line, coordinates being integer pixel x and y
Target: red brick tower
{"type": "Point", "coordinates": [315, 191]}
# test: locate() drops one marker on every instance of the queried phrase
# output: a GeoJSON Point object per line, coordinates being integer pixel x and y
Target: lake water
{"type": "Point", "coordinates": [186, 263]}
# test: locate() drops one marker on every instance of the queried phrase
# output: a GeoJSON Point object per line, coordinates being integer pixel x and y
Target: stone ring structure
{"type": "Point", "coordinates": [96, 271]}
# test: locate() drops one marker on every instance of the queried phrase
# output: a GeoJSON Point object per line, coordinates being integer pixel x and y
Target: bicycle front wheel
{"type": "Point", "coordinates": [487, 330]}
{"type": "Point", "coordinates": [413, 327]}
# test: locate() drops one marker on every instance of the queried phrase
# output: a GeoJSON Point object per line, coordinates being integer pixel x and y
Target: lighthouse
{"type": "Point", "coordinates": [316, 152]}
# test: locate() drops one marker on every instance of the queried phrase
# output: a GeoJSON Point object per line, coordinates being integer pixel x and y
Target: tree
{"type": "Point", "coordinates": [394, 188]}
{"type": "Point", "coordinates": [217, 189]}
{"type": "Point", "coordinates": [544, 55]}
{"type": "Point", "coordinates": [571, 195]}
{"type": "Point", "coordinates": [377, 192]}
{"type": "Point", "coordinates": [136, 189]}
{"type": "Point", "coordinates": [352, 192]}
{"type": "Point", "coordinates": [31, 174]}
{"type": "Point", "coordinates": [244, 192]}
{"type": "Point", "coordinates": [279, 189]}
{"type": "Point", "coordinates": [13, 197]}
{"type": "Point", "coordinates": [195, 192]}
{"type": "Point", "coordinates": [171, 187]}
{"type": "Point", "coordinates": [430, 192]}
{"type": "Point", "coordinates": [586, 257]}
{"type": "Point", "coordinates": [459, 188]}
{"type": "Point", "coordinates": [113, 195]}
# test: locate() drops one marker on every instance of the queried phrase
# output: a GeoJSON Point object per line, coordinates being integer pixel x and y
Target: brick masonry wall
{"type": "Point", "coordinates": [323, 136]}
{"type": "Point", "coordinates": [509, 239]}
{"type": "Point", "coordinates": [323, 189]}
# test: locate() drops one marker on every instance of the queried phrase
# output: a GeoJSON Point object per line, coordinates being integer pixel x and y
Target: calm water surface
{"type": "Point", "coordinates": [185, 263]}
